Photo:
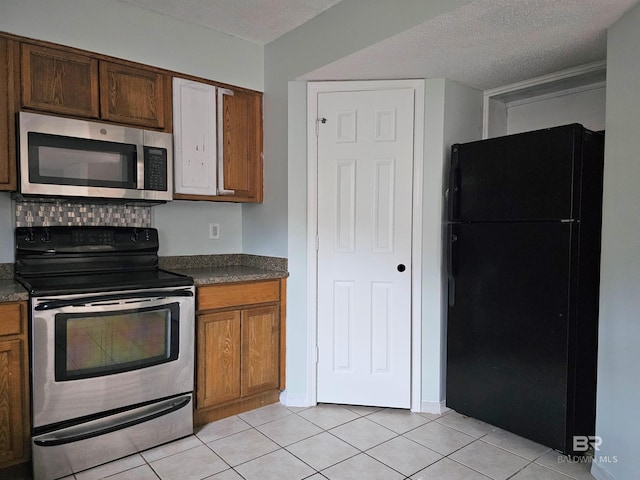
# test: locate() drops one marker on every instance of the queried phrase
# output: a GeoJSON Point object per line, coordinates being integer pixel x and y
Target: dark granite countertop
{"type": "Point", "coordinates": [204, 269]}
{"type": "Point", "coordinates": [227, 274]}
{"type": "Point", "coordinates": [211, 269]}
{"type": "Point", "coordinates": [12, 291]}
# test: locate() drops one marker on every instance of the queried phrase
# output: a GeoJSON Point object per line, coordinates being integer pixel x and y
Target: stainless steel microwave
{"type": "Point", "coordinates": [66, 157]}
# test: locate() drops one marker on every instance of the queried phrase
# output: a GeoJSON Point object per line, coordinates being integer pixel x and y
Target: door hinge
{"type": "Point", "coordinates": [317, 354]}
{"type": "Point", "coordinates": [318, 122]}
{"type": "Point", "coordinates": [317, 243]}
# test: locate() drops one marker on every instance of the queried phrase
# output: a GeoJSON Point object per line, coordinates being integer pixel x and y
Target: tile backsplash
{"type": "Point", "coordinates": [52, 213]}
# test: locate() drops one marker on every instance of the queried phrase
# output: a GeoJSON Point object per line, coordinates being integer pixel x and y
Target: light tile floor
{"type": "Point", "coordinates": [339, 442]}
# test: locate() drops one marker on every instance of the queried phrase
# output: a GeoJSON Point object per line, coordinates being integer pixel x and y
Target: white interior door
{"type": "Point", "coordinates": [365, 161]}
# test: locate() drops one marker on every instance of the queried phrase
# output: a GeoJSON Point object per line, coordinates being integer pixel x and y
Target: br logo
{"type": "Point", "coordinates": [581, 443]}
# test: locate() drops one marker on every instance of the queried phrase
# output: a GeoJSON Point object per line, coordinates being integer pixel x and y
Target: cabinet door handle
{"type": "Point", "coordinates": [221, 93]}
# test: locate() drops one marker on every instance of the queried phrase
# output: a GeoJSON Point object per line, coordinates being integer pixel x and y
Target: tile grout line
{"type": "Point", "coordinates": [358, 416]}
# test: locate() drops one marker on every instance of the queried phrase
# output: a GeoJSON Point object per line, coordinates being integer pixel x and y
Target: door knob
{"type": "Point", "coordinates": [401, 268]}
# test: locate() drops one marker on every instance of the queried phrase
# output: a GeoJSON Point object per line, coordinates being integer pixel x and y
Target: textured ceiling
{"type": "Point", "coordinates": [489, 43]}
{"type": "Point", "coordinates": [259, 21]}
{"type": "Point", "coordinates": [485, 44]}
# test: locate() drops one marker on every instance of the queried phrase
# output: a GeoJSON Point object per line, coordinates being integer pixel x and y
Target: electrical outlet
{"type": "Point", "coordinates": [214, 231]}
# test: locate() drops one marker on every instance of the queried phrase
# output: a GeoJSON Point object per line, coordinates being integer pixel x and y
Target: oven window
{"type": "Point", "coordinates": [105, 343]}
{"type": "Point", "coordinates": [61, 160]}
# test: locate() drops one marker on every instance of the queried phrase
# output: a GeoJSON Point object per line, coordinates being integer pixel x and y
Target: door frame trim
{"type": "Point", "coordinates": [313, 89]}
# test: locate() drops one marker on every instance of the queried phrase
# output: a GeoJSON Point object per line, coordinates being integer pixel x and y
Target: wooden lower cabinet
{"type": "Point", "coordinates": [239, 348]}
{"type": "Point", "coordinates": [14, 410]}
{"type": "Point", "coordinates": [218, 351]}
{"type": "Point", "coordinates": [260, 341]}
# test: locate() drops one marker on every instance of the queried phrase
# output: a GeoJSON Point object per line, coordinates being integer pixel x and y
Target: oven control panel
{"type": "Point", "coordinates": [93, 237]}
{"type": "Point", "coordinates": [46, 240]}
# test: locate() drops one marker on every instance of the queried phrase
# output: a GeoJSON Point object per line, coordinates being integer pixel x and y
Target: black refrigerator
{"type": "Point", "coordinates": [523, 260]}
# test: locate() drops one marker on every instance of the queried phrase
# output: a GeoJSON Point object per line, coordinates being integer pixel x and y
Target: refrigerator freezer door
{"type": "Point", "coordinates": [528, 176]}
{"type": "Point", "coordinates": [508, 328]}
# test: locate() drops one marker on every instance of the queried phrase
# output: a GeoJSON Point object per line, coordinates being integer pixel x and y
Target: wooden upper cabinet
{"type": "Point", "coordinates": [233, 118]}
{"type": "Point", "coordinates": [66, 82]}
{"type": "Point", "coordinates": [7, 115]}
{"type": "Point", "coordinates": [133, 95]}
{"type": "Point", "coordinates": [240, 144]}
{"type": "Point", "coordinates": [59, 81]}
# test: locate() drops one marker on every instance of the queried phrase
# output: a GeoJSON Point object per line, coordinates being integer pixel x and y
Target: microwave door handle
{"type": "Point", "coordinates": [221, 123]}
{"type": "Point", "coordinates": [80, 301]}
{"type": "Point", "coordinates": [140, 164]}
{"type": "Point", "coordinates": [453, 192]}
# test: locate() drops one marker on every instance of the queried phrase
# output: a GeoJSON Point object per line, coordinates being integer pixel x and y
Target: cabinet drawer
{"type": "Point", "coordinates": [10, 317]}
{"type": "Point", "coordinates": [237, 294]}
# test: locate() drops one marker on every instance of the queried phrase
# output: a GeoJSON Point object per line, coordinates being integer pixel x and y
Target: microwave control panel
{"type": "Point", "coordinates": [155, 168]}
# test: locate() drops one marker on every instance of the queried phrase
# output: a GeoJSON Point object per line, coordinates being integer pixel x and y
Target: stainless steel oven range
{"type": "Point", "coordinates": [112, 345]}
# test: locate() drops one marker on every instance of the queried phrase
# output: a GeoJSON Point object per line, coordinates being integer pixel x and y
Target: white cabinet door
{"type": "Point", "coordinates": [194, 130]}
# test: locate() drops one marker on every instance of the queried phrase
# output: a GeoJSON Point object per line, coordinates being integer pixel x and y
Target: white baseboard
{"type": "Point", "coordinates": [302, 400]}
{"type": "Point", "coordinates": [295, 400]}
{"type": "Point", "coordinates": [437, 408]}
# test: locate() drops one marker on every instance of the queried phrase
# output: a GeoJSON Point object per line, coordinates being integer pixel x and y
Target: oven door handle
{"type": "Point", "coordinates": [112, 423]}
{"type": "Point", "coordinates": [46, 304]}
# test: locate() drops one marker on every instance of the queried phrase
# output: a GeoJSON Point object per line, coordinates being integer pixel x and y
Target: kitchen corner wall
{"type": "Point", "coordinates": [617, 415]}
{"type": "Point", "coordinates": [6, 228]}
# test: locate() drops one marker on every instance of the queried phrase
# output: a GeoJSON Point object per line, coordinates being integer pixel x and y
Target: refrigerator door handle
{"type": "Point", "coordinates": [451, 264]}
{"type": "Point", "coordinates": [453, 192]}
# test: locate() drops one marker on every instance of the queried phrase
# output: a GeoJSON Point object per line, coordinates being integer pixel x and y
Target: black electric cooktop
{"type": "Point", "coordinates": [102, 282]}
{"type": "Point", "coordinates": [73, 260]}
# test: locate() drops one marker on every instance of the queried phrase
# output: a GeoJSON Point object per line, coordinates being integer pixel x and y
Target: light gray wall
{"type": "Point", "coordinates": [6, 228]}
{"type": "Point", "coordinates": [124, 31]}
{"type": "Point", "coordinates": [453, 113]}
{"type": "Point", "coordinates": [182, 234]}
{"type": "Point", "coordinates": [297, 294]}
{"type": "Point", "coordinates": [618, 415]}
{"type": "Point", "coordinates": [462, 122]}
{"type": "Point", "coordinates": [585, 107]}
